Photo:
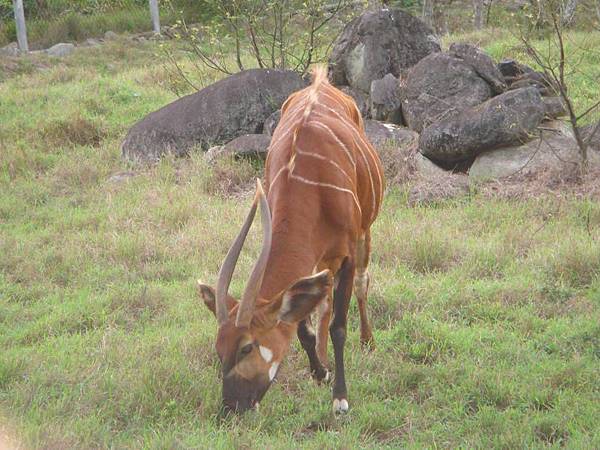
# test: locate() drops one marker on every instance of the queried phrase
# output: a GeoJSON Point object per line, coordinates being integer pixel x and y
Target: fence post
{"type": "Point", "coordinates": [155, 16]}
{"type": "Point", "coordinates": [20, 23]}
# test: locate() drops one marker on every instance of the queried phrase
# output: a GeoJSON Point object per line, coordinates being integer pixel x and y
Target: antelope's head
{"type": "Point", "coordinates": [254, 334]}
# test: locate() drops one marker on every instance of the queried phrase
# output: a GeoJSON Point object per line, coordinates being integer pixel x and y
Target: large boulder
{"type": "Point", "coordinates": [591, 134]}
{"type": "Point", "coordinates": [519, 75]}
{"type": "Point", "coordinates": [481, 63]}
{"type": "Point", "coordinates": [439, 87]}
{"type": "Point", "coordinates": [552, 151]}
{"type": "Point", "coordinates": [246, 146]}
{"type": "Point", "coordinates": [271, 123]}
{"type": "Point", "coordinates": [385, 99]}
{"type": "Point", "coordinates": [361, 99]}
{"type": "Point", "coordinates": [508, 119]}
{"type": "Point", "coordinates": [377, 43]}
{"type": "Point", "coordinates": [234, 106]}
{"type": "Point", "coordinates": [386, 135]}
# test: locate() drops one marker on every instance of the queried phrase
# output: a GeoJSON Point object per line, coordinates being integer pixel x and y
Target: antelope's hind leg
{"type": "Point", "coordinates": [361, 289]}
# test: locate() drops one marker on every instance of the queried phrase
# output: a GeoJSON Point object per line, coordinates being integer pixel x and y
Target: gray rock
{"type": "Point", "coordinates": [509, 68]}
{"type": "Point", "coordinates": [554, 107]}
{"type": "Point", "coordinates": [426, 167]}
{"type": "Point", "coordinates": [591, 133]}
{"type": "Point", "coordinates": [61, 50]}
{"type": "Point", "coordinates": [439, 87]}
{"type": "Point", "coordinates": [481, 63]}
{"type": "Point", "coordinates": [361, 99]}
{"type": "Point", "coordinates": [383, 135]}
{"type": "Point", "coordinates": [552, 151]}
{"type": "Point", "coordinates": [377, 43]}
{"type": "Point", "coordinates": [91, 42]}
{"type": "Point", "coordinates": [385, 99]}
{"type": "Point", "coordinates": [508, 119]}
{"type": "Point", "coordinates": [248, 145]}
{"type": "Point", "coordinates": [234, 106]}
{"type": "Point", "coordinates": [271, 123]}
{"type": "Point", "coordinates": [11, 49]}
{"type": "Point", "coordinates": [111, 35]}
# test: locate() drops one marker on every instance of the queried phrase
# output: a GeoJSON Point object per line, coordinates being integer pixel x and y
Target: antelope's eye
{"type": "Point", "coordinates": [246, 349]}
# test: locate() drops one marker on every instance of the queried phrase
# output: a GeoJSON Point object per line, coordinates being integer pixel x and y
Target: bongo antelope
{"type": "Point", "coordinates": [324, 190]}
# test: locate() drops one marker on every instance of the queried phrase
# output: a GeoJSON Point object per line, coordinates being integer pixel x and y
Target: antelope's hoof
{"type": "Point", "coordinates": [340, 405]}
{"type": "Point", "coordinates": [322, 377]}
{"type": "Point", "coordinates": [368, 343]}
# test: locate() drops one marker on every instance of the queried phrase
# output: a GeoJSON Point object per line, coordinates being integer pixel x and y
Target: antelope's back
{"type": "Point", "coordinates": [320, 143]}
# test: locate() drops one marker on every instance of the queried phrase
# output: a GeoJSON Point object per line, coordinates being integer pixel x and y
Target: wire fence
{"type": "Point", "coordinates": [52, 21]}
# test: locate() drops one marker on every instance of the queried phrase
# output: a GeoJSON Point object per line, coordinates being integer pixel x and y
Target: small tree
{"type": "Point", "coordinates": [282, 34]}
{"type": "Point", "coordinates": [553, 60]}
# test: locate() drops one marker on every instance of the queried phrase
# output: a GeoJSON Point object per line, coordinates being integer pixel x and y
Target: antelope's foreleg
{"type": "Point", "coordinates": [308, 341]}
{"type": "Point", "coordinates": [361, 288]}
{"type": "Point", "coordinates": [323, 320]}
{"type": "Point", "coordinates": [337, 330]}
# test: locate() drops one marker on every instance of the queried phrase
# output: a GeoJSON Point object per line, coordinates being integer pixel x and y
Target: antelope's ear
{"type": "Point", "coordinates": [207, 294]}
{"type": "Point", "coordinates": [300, 299]}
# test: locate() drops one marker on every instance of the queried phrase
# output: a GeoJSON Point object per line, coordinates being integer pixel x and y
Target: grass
{"type": "Point", "coordinates": [486, 311]}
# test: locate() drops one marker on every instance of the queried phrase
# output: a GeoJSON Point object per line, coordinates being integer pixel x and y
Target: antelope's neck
{"type": "Point", "coordinates": [291, 256]}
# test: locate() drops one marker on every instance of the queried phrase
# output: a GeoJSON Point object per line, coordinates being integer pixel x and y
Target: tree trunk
{"type": "Point", "coordinates": [428, 6]}
{"type": "Point", "coordinates": [568, 11]}
{"type": "Point", "coordinates": [154, 13]}
{"type": "Point", "coordinates": [20, 24]}
{"type": "Point", "coordinates": [478, 14]}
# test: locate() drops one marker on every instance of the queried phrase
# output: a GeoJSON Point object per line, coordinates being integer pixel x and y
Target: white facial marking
{"type": "Point", "coordinates": [266, 353]}
{"type": "Point", "coordinates": [273, 370]}
{"type": "Point", "coordinates": [327, 375]}
{"type": "Point", "coordinates": [340, 405]}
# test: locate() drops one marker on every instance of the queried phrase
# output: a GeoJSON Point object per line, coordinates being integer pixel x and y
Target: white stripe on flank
{"type": "Point", "coordinates": [322, 158]}
{"type": "Point", "coordinates": [337, 140]}
{"type": "Point", "coordinates": [276, 176]}
{"type": "Point", "coordinates": [364, 145]}
{"type": "Point", "coordinates": [327, 185]}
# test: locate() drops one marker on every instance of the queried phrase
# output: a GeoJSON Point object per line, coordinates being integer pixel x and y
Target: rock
{"type": "Point", "coordinates": [426, 167]}
{"type": "Point", "coordinates": [111, 35]}
{"type": "Point", "coordinates": [377, 43]}
{"type": "Point", "coordinates": [383, 135]}
{"type": "Point", "coordinates": [554, 107]}
{"type": "Point", "coordinates": [248, 145]}
{"type": "Point", "coordinates": [91, 42]}
{"type": "Point", "coordinates": [553, 151]}
{"type": "Point", "coordinates": [508, 119]}
{"type": "Point", "coordinates": [509, 68]}
{"type": "Point", "coordinates": [519, 75]}
{"type": "Point", "coordinates": [11, 49]}
{"type": "Point", "coordinates": [440, 87]}
{"type": "Point", "coordinates": [481, 63]}
{"type": "Point", "coordinates": [385, 99]}
{"type": "Point", "coordinates": [233, 106]}
{"type": "Point", "coordinates": [591, 133]}
{"type": "Point", "coordinates": [361, 99]}
{"type": "Point", "coordinates": [61, 50]}
{"type": "Point", "coordinates": [271, 123]}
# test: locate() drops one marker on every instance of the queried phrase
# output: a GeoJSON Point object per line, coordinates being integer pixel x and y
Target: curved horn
{"type": "Point", "coordinates": [229, 263]}
{"type": "Point", "coordinates": [246, 308]}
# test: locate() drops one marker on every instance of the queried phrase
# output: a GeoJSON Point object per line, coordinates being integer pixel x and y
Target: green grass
{"type": "Point", "coordinates": [486, 311]}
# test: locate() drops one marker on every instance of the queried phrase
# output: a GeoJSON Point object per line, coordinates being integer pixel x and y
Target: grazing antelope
{"type": "Point", "coordinates": [325, 187]}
